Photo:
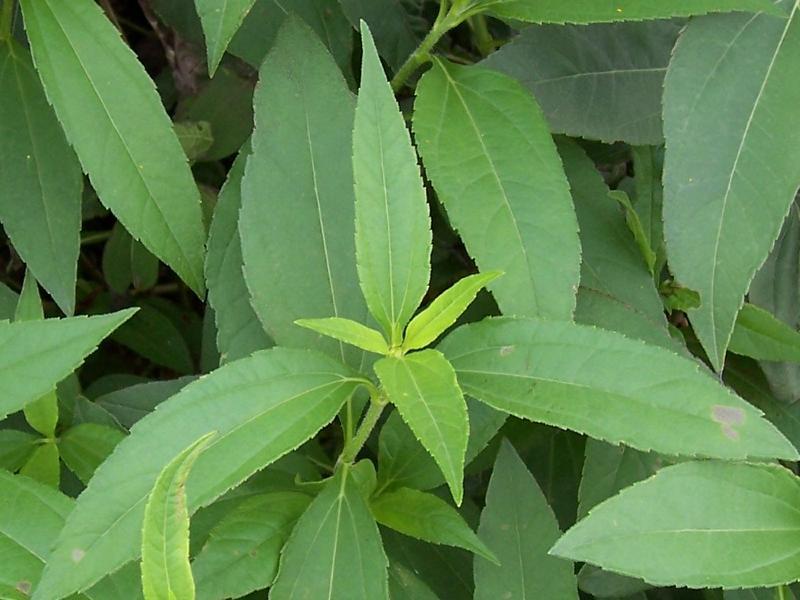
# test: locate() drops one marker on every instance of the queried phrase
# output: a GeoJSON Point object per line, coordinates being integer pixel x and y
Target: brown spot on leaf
{"type": "Point", "coordinates": [506, 350]}
{"type": "Point", "coordinates": [728, 417]}
{"type": "Point", "coordinates": [77, 555]}
{"type": "Point", "coordinates": [24, 587]}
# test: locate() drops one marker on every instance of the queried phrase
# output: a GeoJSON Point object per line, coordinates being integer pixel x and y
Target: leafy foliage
{"type": "Point", "coordinates": [503, 299]}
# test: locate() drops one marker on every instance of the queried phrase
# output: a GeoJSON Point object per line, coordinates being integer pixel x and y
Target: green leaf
{"type": "Point", "coordinates": [40, 206]}
{"type": "Point", "coordinates": [657, 531]}
{"type": "Point", "coordinates": [239, 332]}
{"type": "Point", "coordinates": [625, 391]}
{"type": "Point", "coordinates": [31, 515]}
{"type": "Point", "coordinates": [600, 82]}
{"type": "Point", "coordinates": [262, 407]}
{"type": "Point", "coordinates": [298, 185]}
{"type": "Point", "coordinates": [390, 25]}
{"type": "Point", "coordinates": [127, 262]}
{"type": "Point", "coordinates": [166, 573]}
{"type": "Point", "coordinates": [760, 335]}
{"type": "Point", "coordinates": [445, 310]}
{"type": "Point", "coordinates": [242, 551]}
{"type": "Point", "coordinates": [760, 594]}
{"type": "Point", "coordinates": [592, 11]}
{"type": "Point", "coordinates": [776, 288]}
{"type": "Point", "coordinates": [636, 228]}
{"type": "Point", "coordinates": [335, 550]}
{"type": "Point", "coordinates": [505, 194]}
{"type": "Point", "coordinates": [221, 19]}
{"type": "Point", "coordinates": [424, 389]}
{"type": "Point", "coordinates": [349, 332]}
{"type": "Point", "coordinates": [648, 164]}
{"type": "Point", "coordinates": [521, 527]}
{"type": "Point", "coordinates": [616, 290]}
{"type": "Point", "coordinates": [15, 448]}
{"type": "Point", "coordinates": [85, 446]}
{"type": "Point", "coordinates": [429, 518]}
{"type": "Point", "coordinates": [393, 230]}
{"type": "Point", "coordinates": [36, 355]}
{"type": "Point", "coordinates": [114, 119]}
{"type": "Point", "coordinates": [195, 137]}
{"type": "Point", "coordinates": [29, 303]}
{"type": "Point", "coordinates": [43, 465]}
{"type": "Point", "coordinates": [732, 79]}
{"type": "Point", "coordinates": [133, 402]}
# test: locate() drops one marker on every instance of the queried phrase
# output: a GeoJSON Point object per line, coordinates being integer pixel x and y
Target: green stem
{"type": "Point", "coordinates": [484, 41]}
{"type": "Point", "coordinates": [6, 19]}
{"type": "Point", "coordinates": [782, 592]}
{"type": "Point", "coordinates": [447, 19]}
{"type": "Point", "coordinates": [353, 447]}
{"type": "Point", "coordinates": [94, 237]}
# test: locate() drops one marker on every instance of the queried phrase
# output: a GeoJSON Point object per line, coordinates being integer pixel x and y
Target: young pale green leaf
{"type": "Point", "coordinates": [424, 389]}
{"type": "Point", "coordinates": [40, 206]}
{"type": "Point", "coordinates": [15, 448]}
{"type": "Point", "coordinates": [262, 406]}
{"type": "Point", "coordinates": [760, 335]}
{"type": "Point", "coordinates": [221, 19]}
{"type": "Point", "coordinates": [496, 170]}
{"type": "Point", "coordinates": [608, 386]}
{"type": "Point", "coordinates": [335, 550]}
{"type": "Point", "coordinates": [36, 355]}
{"type": "Point", "coordinates": [242, 551]}
{"type": "Point", "coordinates": [601, 82]}
{"type": "Point", "coordinates": [429, 518]}
{"type": "Point", "coordinates": [657, 531]}
{"type": "Point", "coordinates": [592, 11]}
{"type": "Point", "coordinates": [445, 310]}
{"type": "Point", "coordinates": [43, 465]}
{"type": "Point", "coordinates": [31, 515]}
{"type": "Point", "coordinates": [84, 446]}
{"type": "Point", "coordinates": [298, 186]}
{"type": "Point", "coordinates": [393, 230]}
{"type": "Point", "coordinates": [733, 79]}
{"type": "Point", "coordinates": [520, 526]}
{"type": "Point", "coordinates": [112, 116]}
{"type": "Point", "coordinates": [349, 332]}
{"type": "Point", "coordinates": [166, 573]}
{"type": "Point", "coordinates": [41, 414]}
{"type": "Point", "coordinates": [636, 228]}
{"type": "Point", "coordinates": [648, 164]}
{"type": "Point", "coordinates": [239, 332]}
{"type": "Point", "coordinates": [776, 288]}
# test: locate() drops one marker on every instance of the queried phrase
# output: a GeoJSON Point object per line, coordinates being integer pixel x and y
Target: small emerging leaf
{"type": "Point", "coordinates": [350, 332]}
{"type": "Point", "coordinates": [635, 226]}
{"type": "Point", "coordinates": [429, 518]}
{"type": "Point", "coordinates": [166, 573]}
{"type": "Point", "coordinates": [444, 310]}
{"type": "Point", "coordinates": [424, 389]}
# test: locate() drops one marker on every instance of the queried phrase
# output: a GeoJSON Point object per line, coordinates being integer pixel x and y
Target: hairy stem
{"type": "Point", "coordinates": [6, 19]}
{"type": "Point", "coordinates": [353, 447]}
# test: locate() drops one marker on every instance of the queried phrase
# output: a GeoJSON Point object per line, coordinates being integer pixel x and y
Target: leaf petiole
{"type": "Point", "coordinates": [6, 19]}
{"type": "Point", "coordinates": [377, 403]}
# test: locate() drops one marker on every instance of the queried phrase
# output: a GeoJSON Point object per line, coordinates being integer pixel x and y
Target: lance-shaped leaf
{"type": "Point", "coordinates": [239, 332]}
{"type": "Point", "coordinates": [220, 19]}
{"type": "Point", "coordinates": [520, 527]}
{"type": "Point", "coordinates": [604, 11]}
{"type": "Point", "coordinates": [488, 151]}
{"type": "Point", "coordinates": [393, 231]}
{"type": "Point", "coordinates": [36, 355]}
{"type": "Point", "coordinates": [601, 82]}
{"type": "Point", "coordinates": [445, 310]}
{"type": "Point", "coordinates": [112, 116]}
{"type": "Point", "coordinates": [427, 517]}
{"type": "Point", "coordinates": [31, 515]}
{"type": "Point", "coordinates": [608, 386]}
{"type": "Point", "coordinates": [349, 332]}
{"type": "Point", "coordinates": [335, 550]}
{"type": "Point", "coordinates": [733, 79]}
{"type": "Point", "coordinates": [760, 335]}
{"type": "Point", "coordinates": [262, 407]}
{"type": "Point", "coordinates": [40, 206]}
{"type": "Point", "coordinates": [298, 188]}
{"type": "Point", "coordinates": [424, 389]}
{"type": "Point", "coordinates": [242, 551]}
{"type": "Point", "coordinates": [657, 531]}
{"type": "Point", "coordinates": [166, 573]}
